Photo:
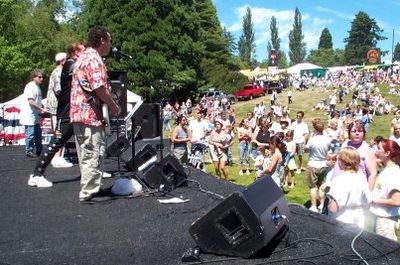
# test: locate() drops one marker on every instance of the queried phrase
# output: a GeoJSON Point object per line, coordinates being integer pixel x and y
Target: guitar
{"type": "Point", "coordinates": [106, 119]}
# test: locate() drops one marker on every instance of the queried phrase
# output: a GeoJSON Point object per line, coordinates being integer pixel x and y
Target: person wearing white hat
{"type": "Point", "coordinates": [52, 103]}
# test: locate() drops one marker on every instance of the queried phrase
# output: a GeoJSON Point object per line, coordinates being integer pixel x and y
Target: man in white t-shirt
{"type": "Point", "coordinates": [300, 135]}
{"type": "Point", "coordinates": [199, 127]}
{"type": "Point", "coordinates": [30, 111]}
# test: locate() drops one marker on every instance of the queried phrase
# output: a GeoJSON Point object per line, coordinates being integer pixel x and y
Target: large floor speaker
{"type": "Point", "coordinates": [165, 175]}
{"type": "Point", "coordinates": [116, 146]}
{"type": "Point", "coordinates": [143, 155]}
{"type": "Point", "coordinates": [145, 149]}
{"type": "Point", "coordinates": [156, 143]}
{"type": "Point", "coordinates": [243, 223]}
{"type": "Point", "coordinates": [119, 86]}
{"type": "Point", "coordinates": [148, 118]}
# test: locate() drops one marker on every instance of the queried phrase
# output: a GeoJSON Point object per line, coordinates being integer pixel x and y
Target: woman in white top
{"type": "Point", "coordinates": [386, 193]}
{"type": "Point", "coordinates": [275, 167]}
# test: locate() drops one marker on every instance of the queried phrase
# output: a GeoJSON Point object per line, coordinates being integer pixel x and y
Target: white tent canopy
{"type": "Point", "coordinates": [295, 69]}
{"type": "Point", "coordinates": [15, 101]}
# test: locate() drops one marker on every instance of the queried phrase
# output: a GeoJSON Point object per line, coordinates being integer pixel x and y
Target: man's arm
{"type": "Point", "coordinates": [104, 95]}
{"type": "Point", "coordinates": [33, 104]}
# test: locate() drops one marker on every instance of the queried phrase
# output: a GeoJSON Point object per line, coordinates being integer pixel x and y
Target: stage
{"type": "Point", "coordinates": [51, 226]}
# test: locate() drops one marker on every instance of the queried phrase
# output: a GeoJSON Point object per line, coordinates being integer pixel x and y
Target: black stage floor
{"type": "Point", "coordinates": [50, 226]}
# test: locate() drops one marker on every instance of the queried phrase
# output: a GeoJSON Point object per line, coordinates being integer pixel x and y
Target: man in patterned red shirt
{"type": "Point", "coordinates": [89, 91]}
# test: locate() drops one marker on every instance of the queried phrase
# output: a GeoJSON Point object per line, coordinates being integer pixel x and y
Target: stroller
{"type": "Point", "coordinates": [196, 155]}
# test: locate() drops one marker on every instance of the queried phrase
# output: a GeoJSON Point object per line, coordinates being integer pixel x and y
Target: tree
{"type": "Point", "coordinates": [396, 54]}
{"type": "Point", "coordinates": [231, 40]}
{"type": "Point", "coordinates": [246, 44]}
{"type": "Point", "coordinates": [275, 44]}
{"type": "Point", "coordinates": [325, 40]}
{"type": "Point", "coordinates": [297, 48]}
{"type": "Point", "coordinates": [326, 57]}
{"type": "Point", "coordinates": [363, 35]}
{"type": "Point", "coordinates": [31, 36]}
{"type": "Point", "coordinates": [173, 42]}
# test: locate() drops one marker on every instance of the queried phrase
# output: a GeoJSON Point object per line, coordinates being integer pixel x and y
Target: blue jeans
{"type": "Point", "coordinates": [33, 138]}
{"type": "Point", "coordinates": [243, 153]}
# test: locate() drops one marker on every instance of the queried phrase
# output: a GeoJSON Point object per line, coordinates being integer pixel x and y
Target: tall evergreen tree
{"type": "Point", "coordinates": [396, 54]}
{"type": "Point", "coordinates": [363, 35]}
{"type": "Point", "coordinates": [246, 44]}
{"type": "Point", "coordinates": [275, 44]}
{"type": "Point", "coordinates": [297, 48]}
{"type": "Point", "coordinates": [325, 40]}
{"type": "Point", "coordinates": [231, 40]}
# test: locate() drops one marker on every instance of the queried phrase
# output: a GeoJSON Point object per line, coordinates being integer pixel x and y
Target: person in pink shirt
{"type": "Point", "coordinates": [89, 92]}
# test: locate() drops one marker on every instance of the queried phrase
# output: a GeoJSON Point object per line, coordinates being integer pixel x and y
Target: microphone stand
{"type": "Point", "coordinates": [152, 84]}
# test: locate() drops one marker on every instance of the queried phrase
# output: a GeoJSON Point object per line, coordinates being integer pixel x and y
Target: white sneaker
{"type": "Point", "coordinates": [39, 181]}
{"type": "Point", "coordinates": [60, 162]}
{"type": "Point", "coordinates": [313, 209]}
{"type": "Point", "coordinates": [247, 172]}
{"type": "Point", "coordinates": [298, 171]}
{"type": "Point", "coordinates": [105, 175]}
{"type": "Point", "coordinates": [241, 173]}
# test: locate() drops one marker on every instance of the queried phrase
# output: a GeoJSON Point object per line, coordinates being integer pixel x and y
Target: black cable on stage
{"type": "Point", "coordinates": [360, 258]}
{"type": "Point", "coordinates": [300, 259]}
{"type": "Point", "coordinates": [216, 195]}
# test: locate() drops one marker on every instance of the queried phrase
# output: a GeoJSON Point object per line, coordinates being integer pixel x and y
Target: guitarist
{"type": "Point", "coordinates": [89, 84]}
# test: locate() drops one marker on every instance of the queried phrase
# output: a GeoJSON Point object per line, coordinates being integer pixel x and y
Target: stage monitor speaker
{"type": "Point", "coordinates": [148, 118]}
{"type": "Point", "coordinates": [165, 175]}
{"type": "Point", "coordinates": [243, 223]}
{"type": "Point", "coordinates": [119, 86]}
{"type": "Point", "coordinates": [117, 145]}
{"type": "Point", "coordinates": [156, 144]}
{"type": "Point", "coordinates": [143, 155]}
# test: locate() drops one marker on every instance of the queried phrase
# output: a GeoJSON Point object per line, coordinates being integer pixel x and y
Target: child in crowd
{"type": "Point", "coordinates": [290, 163]}
{"type": "Point", "coordinates": [374, 142]}
{"type": "Point", "coordinates": [349, 190]}
{"type": "Point", "coordinates": [259, 161]}
{"type": "Point", "coordinates": [330, 164]}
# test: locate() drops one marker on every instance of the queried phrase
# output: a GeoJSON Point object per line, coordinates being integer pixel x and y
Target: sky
{"type": "Point", "coordinates": [336, 15]}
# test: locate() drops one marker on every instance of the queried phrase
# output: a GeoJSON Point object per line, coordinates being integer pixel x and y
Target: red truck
{"type": "Point", "coordinates": [249, 91]}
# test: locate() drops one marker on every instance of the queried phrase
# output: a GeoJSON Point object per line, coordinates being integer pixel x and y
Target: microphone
{"type": "Point", "coordinates": [117, 52]}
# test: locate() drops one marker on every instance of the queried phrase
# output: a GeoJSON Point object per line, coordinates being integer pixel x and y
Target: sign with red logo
{"type": "Point", "coordinates": [372, 56]}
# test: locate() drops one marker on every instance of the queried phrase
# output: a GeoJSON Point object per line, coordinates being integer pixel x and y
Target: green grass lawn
{"type": "Point", "coordinates": [302, 100]}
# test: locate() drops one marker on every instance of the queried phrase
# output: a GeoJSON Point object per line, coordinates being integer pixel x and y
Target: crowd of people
{"type": "Point", "coordinates": [345, 174]}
